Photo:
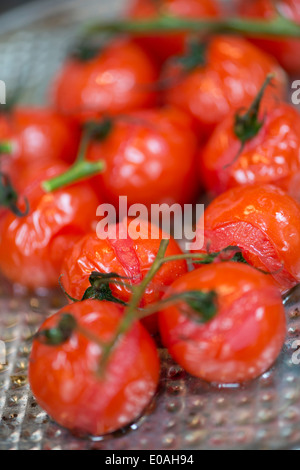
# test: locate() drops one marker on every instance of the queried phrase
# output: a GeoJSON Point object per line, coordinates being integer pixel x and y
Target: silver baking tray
{"type": "Point", "coordinates": [186, 413]}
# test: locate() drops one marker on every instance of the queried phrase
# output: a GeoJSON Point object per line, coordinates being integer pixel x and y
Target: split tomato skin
{"type": "Point", "coordinates": [40, 134]}
{"type": "Point", "coordinates": [264, 222]}
{"type": "Point", "coordinates": [150, 158]}
{"type": "Point", "coordinates": [209, 92]}
{"type": "Point", "coordinates": [245, 337]}
{"type": "Point", "coordinates": [119, 79]}
{"type": "Point", "coordinates": [128, 258]}
{"type": "Point", "coordinates": [286, 51]}
{"type": "Point", "coordinates": [272, 156]}
{"type": "Point", "coordinates": [32, 247]}
{"type": "Point", "coordinates": [164, 46]}
{"type": "Point", "coordinates": [64, 378]}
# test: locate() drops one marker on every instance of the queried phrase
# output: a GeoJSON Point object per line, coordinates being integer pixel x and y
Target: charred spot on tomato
{"type": "Point", "coordinates": [100, 288]}
{"type": "Point", "coordinates": [60, 334]}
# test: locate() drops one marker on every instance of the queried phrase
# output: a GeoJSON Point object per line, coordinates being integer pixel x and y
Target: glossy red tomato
{"type": "Point", "coordinates": [272, 156]}
{"type": "Point", "coordinates": [32, 247]}
{"type": "Point", "coordinates": [229, 80]}
{"type": "Point", "coordinates": [39, 134]}
{"type": "Point", "coordinates": [286, 51]}
{"type": "Point", "coordinates": [264, 222]}
{"type": "Point", "coordinates": [125, 256]}
{"type": "Point", "coordinates": [164, 46]}
{"type": "Point", "coordinates": [244, 338]}
{"type": "Point", "coordinates": [119, 79]}
{"type": "Point", "coordinates": [150, 157]}
{"type": "Point", "coordinates": [65, 381]}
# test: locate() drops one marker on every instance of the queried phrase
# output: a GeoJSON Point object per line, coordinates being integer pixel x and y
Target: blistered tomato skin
{"type": "Point", "coordinates": [118, 80]}
{"type": "Point", "coordinates": [272, 156]}
{"type": "Point", "coordinates": [165, 46]}
{"type": "Point", "coordinates": [209, 92]}
{"type": "Point", "coordinates": [286, 51]}
{"type": "Point", "coordinates": [264, 222]}
{"type": "Point", "coordinates": [129, 258]}
{"type": "Point", "coordinates": [64, 378]}
{"type": "Point", "coordinates": [32, 248]}
{"type": "Point", "coordinates": [40, 134]}
{"type": "Point", "coordinates": [150, 158]}
{"type": "Point", "coordinates": [245, 337]}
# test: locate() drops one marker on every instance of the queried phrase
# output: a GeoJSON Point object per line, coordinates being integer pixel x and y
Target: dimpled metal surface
{"type": "Point", "coordinates": [186, 413]}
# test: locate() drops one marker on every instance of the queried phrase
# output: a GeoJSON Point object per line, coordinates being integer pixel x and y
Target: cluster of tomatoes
{"type": "Point", "coordinates": [172, 116]}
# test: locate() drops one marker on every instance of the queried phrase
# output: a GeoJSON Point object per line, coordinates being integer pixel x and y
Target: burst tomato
{"type": "Point", "coordinates": [286, 51]}
{"type": "Point", "coordinates": [228, 80]}
{"type": "Point", "coordinates": [244, 338]}
{"type": "Point", "coordinates": [65, 378]}
{"type": "Point", "coordinates": [264, 222]}
{"type": "Point", "coordinates": [117, 80]}
{"type": "Point", "coordinates": [272, 156]}
{"type": "Point", "coordinates": [32, 247]}
{"type": "Point", "coordinates": [128, 258]}
{"type": "Point", "coordinates": [37, 134]}
{"type": "Point", "coordinates": [164, 46]}
{"type": "Point", "coordinates": [144, 158]}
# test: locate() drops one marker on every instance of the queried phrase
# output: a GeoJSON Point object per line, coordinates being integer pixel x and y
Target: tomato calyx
{"type": "Point", "coordinates": [195, 55]}
{"type": "Point", "coordinates": [82, 168]}
{"type": "Point", "coordinates": [60, 334]}
{"type": "Point", "coordinates": [100, 288]}
{"type": "Point", "coordinates": [230, 253]}
{"type": "Point", "coordinates": [5, 147]}
{"type": "Point", "coordinates": [203, 305]}
{"type": "Point", "coordinates": [85, 50]}
{"type": "Point", "coordinates": [248, 125]}
{"type": "Point", "coordinates": [9, 197]}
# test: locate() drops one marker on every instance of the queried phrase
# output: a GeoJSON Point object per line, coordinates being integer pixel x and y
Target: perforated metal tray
{"type": "Point", "coordinates": [186, 413]}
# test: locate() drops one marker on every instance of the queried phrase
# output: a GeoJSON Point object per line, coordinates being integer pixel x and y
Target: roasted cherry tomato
{"type": "Point", "coordinates": [36, 134]}
{"type": "Point", "coordinates": [264, 222]}
{"type": "Point", "coordinates": [286, 51]}
{"type": "Point", "coordinates": [129, 258]}
{"type": "Point", "coordinates": [272, 156]}
{"type": "Point", "coordinates": [228, 78]}
{"type": "Point", "coordinates": [244, 338]}
{"type": "Point", "coordinates": [66, 382]}
{"type": "Point", "coordinates": [164, 46]}
{"type": "Point", "coordinates": [150, 157]}
{"type": "Point", "coordinates": [119, 79]}
{"type": "Point", "coordinates": [32, 247]}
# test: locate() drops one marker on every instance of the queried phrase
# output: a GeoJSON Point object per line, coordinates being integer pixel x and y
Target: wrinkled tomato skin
{"type": "Point", "coordinates": [118, 80]}
{"type": "Point", "coordinates": [168, 45]}
{"type": "Point", "coordinates": [209, 92]}
{"type": "Point", "coordinates": [244, 338]}
{"type": "Point", "coordinates": [32, 247]}
{"type": "Point", "coordinates": [129, 258]}
{"type": "Point", "coordinates": [150, 157]}
{"type": "Point", "coordinates": [264, 222]}
{"type": "Point", "coordinates": [286, 51]}
{"type": "Point", "coordinates": [273, 156]}
{"type": "Point", "coordinates": [64, 378]}
{"type": "Point", "coordinates": [40, 134]}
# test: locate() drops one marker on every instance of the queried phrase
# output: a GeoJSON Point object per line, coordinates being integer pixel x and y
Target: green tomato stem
{"type": "Point", "coordinates": [6, 147]}
{"type": "Point", "coordinates": [279, 26]}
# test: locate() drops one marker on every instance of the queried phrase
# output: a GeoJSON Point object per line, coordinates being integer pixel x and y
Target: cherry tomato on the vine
{"type": "Point", "coordinates": [32, 247]}
{"type": "Point", "coordinates": [166, 45]}
{"type": "Point", "coordinates": [229, 74]}
{"type": "Point", "coordinates": [286, 51]}
{"type": "Point", "coordinates": [118, 79]}
{"type": "Point", "coordinates": [244, 338]}
{"type": "Point", "coordinates": [129, 258]}
{"type": "Point", "coordinates": [264, 222]}
{"type": "Point", "coordinates": [150, 157]}
{"type": "Point", "coordinates": [272, 156]}
{"type": "Point", "coordinates": [39, 134]}
{"type": "Point", "coordinates": [66, 382]}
